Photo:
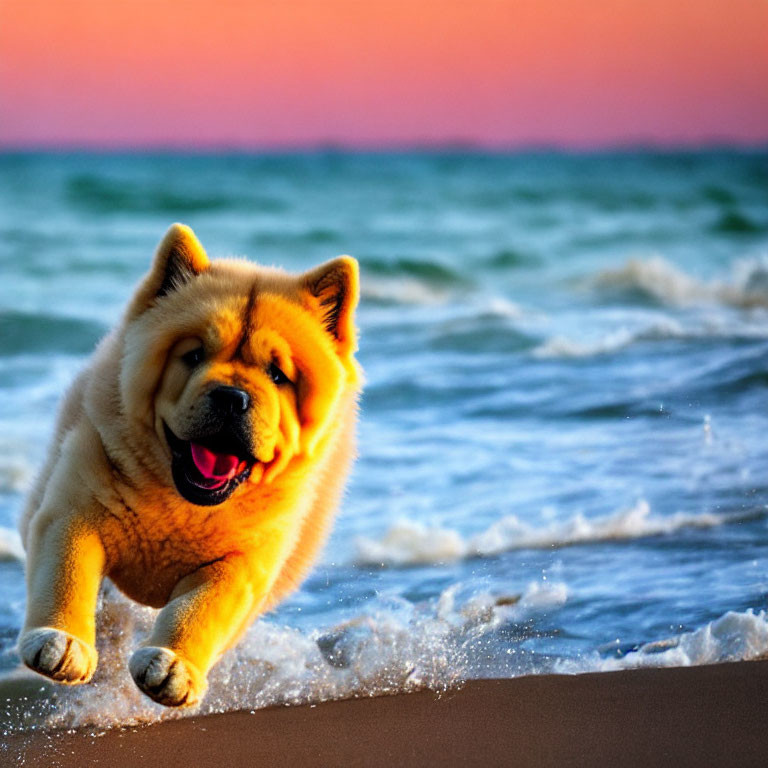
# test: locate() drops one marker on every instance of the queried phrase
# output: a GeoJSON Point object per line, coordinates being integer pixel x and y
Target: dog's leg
{"type": "Point", "coordinates": [207, 612]}
{"type": "Point", "coordinates": [65, 563]}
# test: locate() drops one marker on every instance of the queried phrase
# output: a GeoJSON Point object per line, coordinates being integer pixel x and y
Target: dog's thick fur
{"type": "Point", "coordinates": [115, 499]}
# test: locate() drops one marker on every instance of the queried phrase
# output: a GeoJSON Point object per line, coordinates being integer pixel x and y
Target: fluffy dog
{"type": "Point", "coordinates": [197, 462]}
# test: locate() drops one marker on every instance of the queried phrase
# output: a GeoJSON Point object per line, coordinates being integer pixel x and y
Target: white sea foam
{"type": "Point", "coordinates": [410, 542]}
{"type": "Point", "coordinates": [708, 327]}
{"type": "Point", "coordinates": [735, 636]}
{"type": "Point", "coordinates": [561, 346]}
{"type": "Point", "coordinates": [403, 648]}
{"type": "Point", "coordinates": [10, 545]}
{"type": "Point", "coordinates": [660, 280]}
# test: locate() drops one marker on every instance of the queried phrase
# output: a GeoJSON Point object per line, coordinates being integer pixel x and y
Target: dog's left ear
{"type": "Point", "coordinates": [331, 291]}
{"type": "Point", "coordinates": [179, 258]}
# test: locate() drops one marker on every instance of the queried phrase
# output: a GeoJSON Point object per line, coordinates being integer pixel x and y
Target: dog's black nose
{"type": "Point", "coordinates": [230, 400]}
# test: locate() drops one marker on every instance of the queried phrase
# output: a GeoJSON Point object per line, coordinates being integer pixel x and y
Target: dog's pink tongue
{"type": "Point", "coordinates": [214, 466]}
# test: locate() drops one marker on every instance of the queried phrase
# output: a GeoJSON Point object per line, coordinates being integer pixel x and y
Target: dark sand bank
{"type": "Point", "coordinates": [701, 716]}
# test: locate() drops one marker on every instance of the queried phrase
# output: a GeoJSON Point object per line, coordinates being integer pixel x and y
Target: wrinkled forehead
{"type": "Point", "coordinates": [265, 325]}
{"type": "Point", "coordinates": [253, 325]}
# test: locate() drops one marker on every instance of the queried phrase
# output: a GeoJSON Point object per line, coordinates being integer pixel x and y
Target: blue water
{"type": "Point", "coordinates": [563, 463]}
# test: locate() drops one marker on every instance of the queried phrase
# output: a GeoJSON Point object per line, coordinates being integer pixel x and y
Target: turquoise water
{"type": "Point", "coordinates": [563, 463]}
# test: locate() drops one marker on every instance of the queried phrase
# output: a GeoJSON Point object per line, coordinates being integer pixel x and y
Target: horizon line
{"type": "Point", "coordinates": [385, 147]}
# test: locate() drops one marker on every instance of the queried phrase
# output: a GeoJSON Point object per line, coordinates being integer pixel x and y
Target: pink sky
{"type": "Point", "coordinates": [373, 72]}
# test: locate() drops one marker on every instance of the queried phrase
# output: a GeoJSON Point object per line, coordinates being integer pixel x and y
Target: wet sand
{"type": "Point", "coordinates": [701, 716]}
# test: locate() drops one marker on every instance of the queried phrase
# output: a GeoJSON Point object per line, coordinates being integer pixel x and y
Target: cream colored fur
{"type": "Point", "coordinates": [105, 504]}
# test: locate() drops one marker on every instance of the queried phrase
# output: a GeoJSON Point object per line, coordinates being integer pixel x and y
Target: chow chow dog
{"type": "Point", "coordinates": [197, 462]}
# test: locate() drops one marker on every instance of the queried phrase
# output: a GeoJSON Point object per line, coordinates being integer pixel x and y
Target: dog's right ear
{"type": "Point", "coordinates": [179, 258]}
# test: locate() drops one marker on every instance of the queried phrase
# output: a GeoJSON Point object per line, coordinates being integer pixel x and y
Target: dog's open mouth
{"type": "Point", "coordinates": [207, 471]}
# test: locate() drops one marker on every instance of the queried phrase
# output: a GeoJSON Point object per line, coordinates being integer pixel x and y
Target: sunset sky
{"type": "Point", "coordinates": [279, 73]}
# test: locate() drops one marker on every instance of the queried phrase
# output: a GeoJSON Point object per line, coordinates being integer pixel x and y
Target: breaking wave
{"type": "Point", "coordinates": [404, 290]}
{"type": "Point", "coordinates": [409, 542]}
{"type": "Point", "coordinates": [735, 636]}
{"type": "Point", "coordinates": [561, 346]}
{"type": "Point", "coordinates": [659, 281]}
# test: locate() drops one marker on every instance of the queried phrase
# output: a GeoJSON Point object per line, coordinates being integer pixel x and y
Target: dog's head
{"type": "Point", "coordinates": [230, 370]}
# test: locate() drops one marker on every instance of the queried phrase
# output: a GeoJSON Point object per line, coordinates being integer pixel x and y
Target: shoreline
{"type": "Point", "coordinates": [707, 715]}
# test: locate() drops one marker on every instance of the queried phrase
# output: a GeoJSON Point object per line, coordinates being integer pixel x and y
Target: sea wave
{"type": "Point", "coordinates": [659, 281]}
{"type": "Point", "coordinates": [614, 341]}
{"type": "Point", "coordinates": [431, 272]}
{"type": "Point", "coordinates": [404, 290]}
{"type": "Point", "coordinates": [404, 647]}
{"type": "Point", "coordinates": [409, 281]}
{"type": "Point", "coordinates": [735, 636]}
{"type": "Point", "coordinates": [410, 542]}
{"type": "Point", "coordinates": [106, 194]}
{"type": "Point", "coordinates": [493, 328]}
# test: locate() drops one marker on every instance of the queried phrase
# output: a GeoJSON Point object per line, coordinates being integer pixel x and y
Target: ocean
{"type": "Point", "coordinates": [563, 457]}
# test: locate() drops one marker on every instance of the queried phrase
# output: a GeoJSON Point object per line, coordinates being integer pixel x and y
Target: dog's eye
{"type": "Point", "coordinates": [194, 357]}
{"type": "Point", "coordinates": [277, 375]}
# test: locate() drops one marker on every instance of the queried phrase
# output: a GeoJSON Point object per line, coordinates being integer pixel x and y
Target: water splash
{"type": "Point", "coordinates": [400, 647]}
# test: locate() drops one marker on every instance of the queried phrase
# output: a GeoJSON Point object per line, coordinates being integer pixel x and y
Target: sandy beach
{"type": "Point", "coordinates": [709, 715]}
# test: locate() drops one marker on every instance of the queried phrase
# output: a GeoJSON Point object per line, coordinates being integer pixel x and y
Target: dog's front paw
{"type": "Point", "coordinates": [58, 655]}
{"type": "Point", "coordinates": [165, 677]}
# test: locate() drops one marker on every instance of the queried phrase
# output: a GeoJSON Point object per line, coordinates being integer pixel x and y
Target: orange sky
{"type": "Point", "coordinates": [372, 72]}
